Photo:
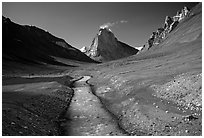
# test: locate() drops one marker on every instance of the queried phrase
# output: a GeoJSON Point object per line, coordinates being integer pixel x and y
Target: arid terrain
{"type": "Point", "coordinates": [157, 92]}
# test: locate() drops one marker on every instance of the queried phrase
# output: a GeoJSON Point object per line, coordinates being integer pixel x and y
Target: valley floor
{"type": "Point", "coordinates": [34, 106]}
{"type": "Point", "coordinates": [37, 105]}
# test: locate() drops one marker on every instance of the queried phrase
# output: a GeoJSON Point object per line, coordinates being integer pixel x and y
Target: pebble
{"type": "Point", "coordinates": [12, 123]}
{"type": "Point", "coordinates": [178, 108]}
{"type": "Point", "coordinates": [186, 131]}
{"type": "Point", "coordinates": [25, 127]}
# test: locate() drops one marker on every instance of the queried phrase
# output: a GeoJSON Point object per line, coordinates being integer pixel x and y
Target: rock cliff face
{"type": "Point", "coordinates": [170, 23]}
{"type": "Point", "coordinates": [106, 47]}
{"type": "Point", "coordinates": [83, 49]}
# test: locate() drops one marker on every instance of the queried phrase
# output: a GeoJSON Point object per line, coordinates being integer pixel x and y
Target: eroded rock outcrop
{"type": "Point", "coordinates": [169, 25]}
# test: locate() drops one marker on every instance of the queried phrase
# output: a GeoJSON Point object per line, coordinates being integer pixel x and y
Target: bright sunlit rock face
{"type": "Point", "coordinates": [139, 48]}
{"type": "Point", "coordinates": [83, 49]}
{"type": "Point", "coordinates": [105, 46]}
{"type": "Point", "coordinates": [105, 27]}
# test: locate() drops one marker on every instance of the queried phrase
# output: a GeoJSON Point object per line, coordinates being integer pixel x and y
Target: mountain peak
{"type": "Point", "coordinates": [106, 47]}
{"type": "Point", "coordinates": [5, 20]}
{"type": "Point", "coordinates": [104, 31]}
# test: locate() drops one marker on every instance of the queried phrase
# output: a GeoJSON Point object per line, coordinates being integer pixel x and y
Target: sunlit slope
{"type": "Point", "coordinates": [158, 92]}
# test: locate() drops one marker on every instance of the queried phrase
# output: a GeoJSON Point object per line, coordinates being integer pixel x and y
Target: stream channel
{"type": "Point", "coordinates": [87, 116]}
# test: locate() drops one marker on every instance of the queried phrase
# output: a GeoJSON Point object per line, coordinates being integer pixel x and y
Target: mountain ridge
{"type": "Point", "coordinates": [32, 45]}
{"type": "Point", "coordinates": [170, 24]}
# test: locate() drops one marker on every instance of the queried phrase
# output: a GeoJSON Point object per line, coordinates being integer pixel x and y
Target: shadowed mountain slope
{"type": "Point", "coordinates": [31, 45]}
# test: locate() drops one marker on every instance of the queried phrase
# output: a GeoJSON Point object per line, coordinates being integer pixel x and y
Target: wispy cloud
{"type": "Point", "coordinates": [123, 21]}
{"type": "Point", "coordinates": [108, 25]}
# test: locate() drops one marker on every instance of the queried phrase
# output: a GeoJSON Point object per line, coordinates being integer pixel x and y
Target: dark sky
{"type": "Point", "coordinates": [78, 23]}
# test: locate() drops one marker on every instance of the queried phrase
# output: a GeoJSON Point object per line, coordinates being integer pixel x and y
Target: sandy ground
{"type": "Point", "coordinates": [87, 115]}
{"type": "Point", "coordinates": [34, 107]}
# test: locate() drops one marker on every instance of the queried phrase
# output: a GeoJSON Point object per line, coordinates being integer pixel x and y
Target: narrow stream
{"type": "Point", "coordinates": [86, 114]}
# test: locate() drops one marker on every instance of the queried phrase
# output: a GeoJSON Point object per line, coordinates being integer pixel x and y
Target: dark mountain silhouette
{"type": "Point", "coordinates": [31, 45]}
{"type": "Point", "coordinates": [106, 47]}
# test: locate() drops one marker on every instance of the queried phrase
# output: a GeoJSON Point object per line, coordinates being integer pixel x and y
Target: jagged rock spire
{"type": "Point", "coordinates": [169, 24]}
{"type": "Point", "coordinates": [106, 47]}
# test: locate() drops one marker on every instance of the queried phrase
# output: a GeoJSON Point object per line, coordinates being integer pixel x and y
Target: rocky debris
{"type": "Point", "coordinates": [151, 119]}
{"type": "Point", "coordinates": [106, 47]}
{"type": "Point", "coordinates": [141, 112]}
{"type": "Point", "coordinates": [170, 23]}
{"type": "Point", "coordinates": [184, 90]}
{"type": "Point", "coordinates": [37, 116]}
{"type": "Point", "coordinates": [36, 109]}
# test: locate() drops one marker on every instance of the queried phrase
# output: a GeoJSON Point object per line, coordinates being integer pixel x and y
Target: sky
{"type": "Point", "coordinates": [78, 23]}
